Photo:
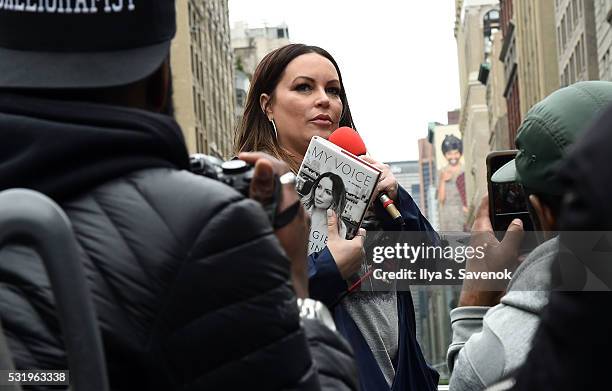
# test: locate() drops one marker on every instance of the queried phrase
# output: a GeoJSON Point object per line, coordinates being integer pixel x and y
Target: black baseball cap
{"type": "Point", "coordinates": [82, 43]}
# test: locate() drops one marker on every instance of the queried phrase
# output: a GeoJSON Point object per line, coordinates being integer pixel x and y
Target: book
{"type": "Point", "coordinates": [333, 178]}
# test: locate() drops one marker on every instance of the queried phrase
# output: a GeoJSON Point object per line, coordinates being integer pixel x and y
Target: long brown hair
{"type": "Point", "coordinates": [255, 132]}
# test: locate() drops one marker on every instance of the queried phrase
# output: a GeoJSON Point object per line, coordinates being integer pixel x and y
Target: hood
{"type": "Point", "coordinates": [64, 148]}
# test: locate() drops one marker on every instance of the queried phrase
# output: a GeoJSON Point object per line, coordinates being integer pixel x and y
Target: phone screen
{"type": "Point", "coordinates": [507, 201]}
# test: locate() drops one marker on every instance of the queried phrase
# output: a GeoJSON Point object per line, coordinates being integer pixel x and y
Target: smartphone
{"type": "Point", "coordinates": [507, 201]}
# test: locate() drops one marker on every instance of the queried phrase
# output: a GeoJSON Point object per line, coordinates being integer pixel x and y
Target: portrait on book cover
{"type": "Point", "coordinates": [327, 192]}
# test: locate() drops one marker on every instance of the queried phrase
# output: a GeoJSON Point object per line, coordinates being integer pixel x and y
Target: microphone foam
{"type": "Point", "coordinates": [348, 138]}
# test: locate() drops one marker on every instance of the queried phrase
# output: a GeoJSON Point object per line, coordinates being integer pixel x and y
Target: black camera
{"type": "Point", "coordinates": [234, 173]}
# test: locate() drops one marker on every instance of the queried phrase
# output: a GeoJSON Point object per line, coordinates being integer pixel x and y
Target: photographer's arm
{"type": "Point", "coordinates": [232, 296]}
{"type": "Point", "coordinates": [293, 236]}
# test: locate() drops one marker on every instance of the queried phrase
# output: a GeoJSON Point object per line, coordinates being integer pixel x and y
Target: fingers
{"type": "Point", "coordinates": [278, 166]}
{"type": "Point", "coordinates": [385, 185]}
{"type": "Point", "coordinates": [262, 185]}
{"type": "Point", "coordinates": [360, 237]}
{"type": "Point", "coordinates": [368, 159]}
{"type": "Point", "coordinates": [251, 157]}
{"type": "Point", "coordinates": [382, 167]}
{"type": "Point", "coordinates": [482, 222]}
{"type": "Point", "coordinates": [332, 225]}
{"type": "Point", "coordinates": [514, 235]}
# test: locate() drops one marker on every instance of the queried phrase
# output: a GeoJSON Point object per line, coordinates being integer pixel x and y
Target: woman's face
{"type": "Point", "coordinates": [323, 193]}
{"type": "Point", "coordinates": [306, 102]}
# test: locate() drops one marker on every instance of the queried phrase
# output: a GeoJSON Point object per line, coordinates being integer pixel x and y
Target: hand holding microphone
{"type": "Point", "coordinates": [387, 186]}
{"type": "Point", "coordinates": [348, 254]}
{"type": "Point", "coordinates": [387, 183]}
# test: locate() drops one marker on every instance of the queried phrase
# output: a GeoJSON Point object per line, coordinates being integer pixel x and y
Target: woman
{"type": "Point", "coordinates": [328, 192]}
{"type": "Point", "coordinates": [297, 93]}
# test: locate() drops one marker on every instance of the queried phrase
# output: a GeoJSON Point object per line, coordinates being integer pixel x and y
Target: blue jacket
{"type": "Point", "coordinates": [326, 284]}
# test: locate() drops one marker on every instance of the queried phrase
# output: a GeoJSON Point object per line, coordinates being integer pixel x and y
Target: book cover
{"type": "Point", "coordinates": [331, 177]}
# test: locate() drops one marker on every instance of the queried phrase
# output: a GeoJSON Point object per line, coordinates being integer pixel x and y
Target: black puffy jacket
{"type": "Point", "coordinates": [189, 283]}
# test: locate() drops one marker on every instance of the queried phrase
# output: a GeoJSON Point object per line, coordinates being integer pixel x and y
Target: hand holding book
{"type": "Point", "coordinates": [348, 254]}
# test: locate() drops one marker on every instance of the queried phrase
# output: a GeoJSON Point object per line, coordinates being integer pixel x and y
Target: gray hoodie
{"type": "Point", "coordinates": [490, 342]}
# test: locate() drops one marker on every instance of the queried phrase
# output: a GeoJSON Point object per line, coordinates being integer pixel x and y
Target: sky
{"type": "Point", "coordinates": [398, 60]}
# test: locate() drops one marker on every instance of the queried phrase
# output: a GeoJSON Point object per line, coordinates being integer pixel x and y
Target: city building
{"type": "Point", "coordinates": [603, 29]}
{"type": "Point", "coordinates": [407, 175]}
{"type": "Point", "coordinates": [432, 304]}
{"type": "Point", "coordinates": [427, 179]}
{"type": "Point", "coordinates": [576, 41]}
{"type": "Point", "coordinates": [473, 27]}
{"type": "Point", "coordinates": [241, 85]}
{"type": "Point", "coordinates": [508, 55]}
{"type": "Point", "coordinates": [492, 75]}
{"type": "Point", "coordinates": [536, 50]}
{"type": "Point", "coordinates": [202, 76]}
{"type": "Point", "coordinates": [250, 45]}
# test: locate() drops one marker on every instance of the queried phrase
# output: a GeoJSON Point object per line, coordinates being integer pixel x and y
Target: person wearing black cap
{"type": "Point", "coordinates": [190, 285]}
{"type": "Point", "coordinates": [492, 336]}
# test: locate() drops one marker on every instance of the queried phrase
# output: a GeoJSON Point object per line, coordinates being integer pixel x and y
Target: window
{"type": "Point", "coordinates": [195, 99]}
{"type": "Point", "coordinates": [280, 33]}
{"type": "Point", "coordinates": [192, 59]}
{"type": "Point", "coordinates": [198, 139]}
{"type": "Point", "coordinates": [575, 12]}
{"type": "Point", "coordinates": [579, 57]}
{"type": "Point", "coordinates": [572, 69]}
{"type": "Point", "coordinates": [563, 32]}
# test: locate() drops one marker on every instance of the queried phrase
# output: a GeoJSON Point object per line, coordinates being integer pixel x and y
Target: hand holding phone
{"type": "Point", "coordinates": [507, 200]}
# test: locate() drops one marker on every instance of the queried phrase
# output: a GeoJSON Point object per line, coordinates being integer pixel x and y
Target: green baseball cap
{"type": "Point", "coordinates": [548, 129]}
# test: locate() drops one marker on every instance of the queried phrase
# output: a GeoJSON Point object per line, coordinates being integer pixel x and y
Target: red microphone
{"type": "Point", "coordinates": [348, 139]}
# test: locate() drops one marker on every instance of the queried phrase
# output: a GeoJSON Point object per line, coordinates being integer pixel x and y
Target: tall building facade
{"type": "Point", "coordinates": [538, 64]}
{"type": "Point", "coordinates": [509, 56]}
{"type": "Point", "coordinates": [470, 33]}
{"type": "Point", "coordinates": [576, 41]}
{"type": "Point", "coordinates": [407, 175]}
{"type": "Point", "coordinates": [496, 104]}
{"type": "Point", "coordinates": [242, 84]}
{"type": "Point", "coordinates": [603, 28]}
{"type": "Point", "coordinates": [250, 45]}
{"type": "Point", "coordinates": [202, 75]}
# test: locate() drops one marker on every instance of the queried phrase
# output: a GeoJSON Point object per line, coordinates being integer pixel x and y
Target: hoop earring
{"type": "Point", "coordinates": [274, 127]}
